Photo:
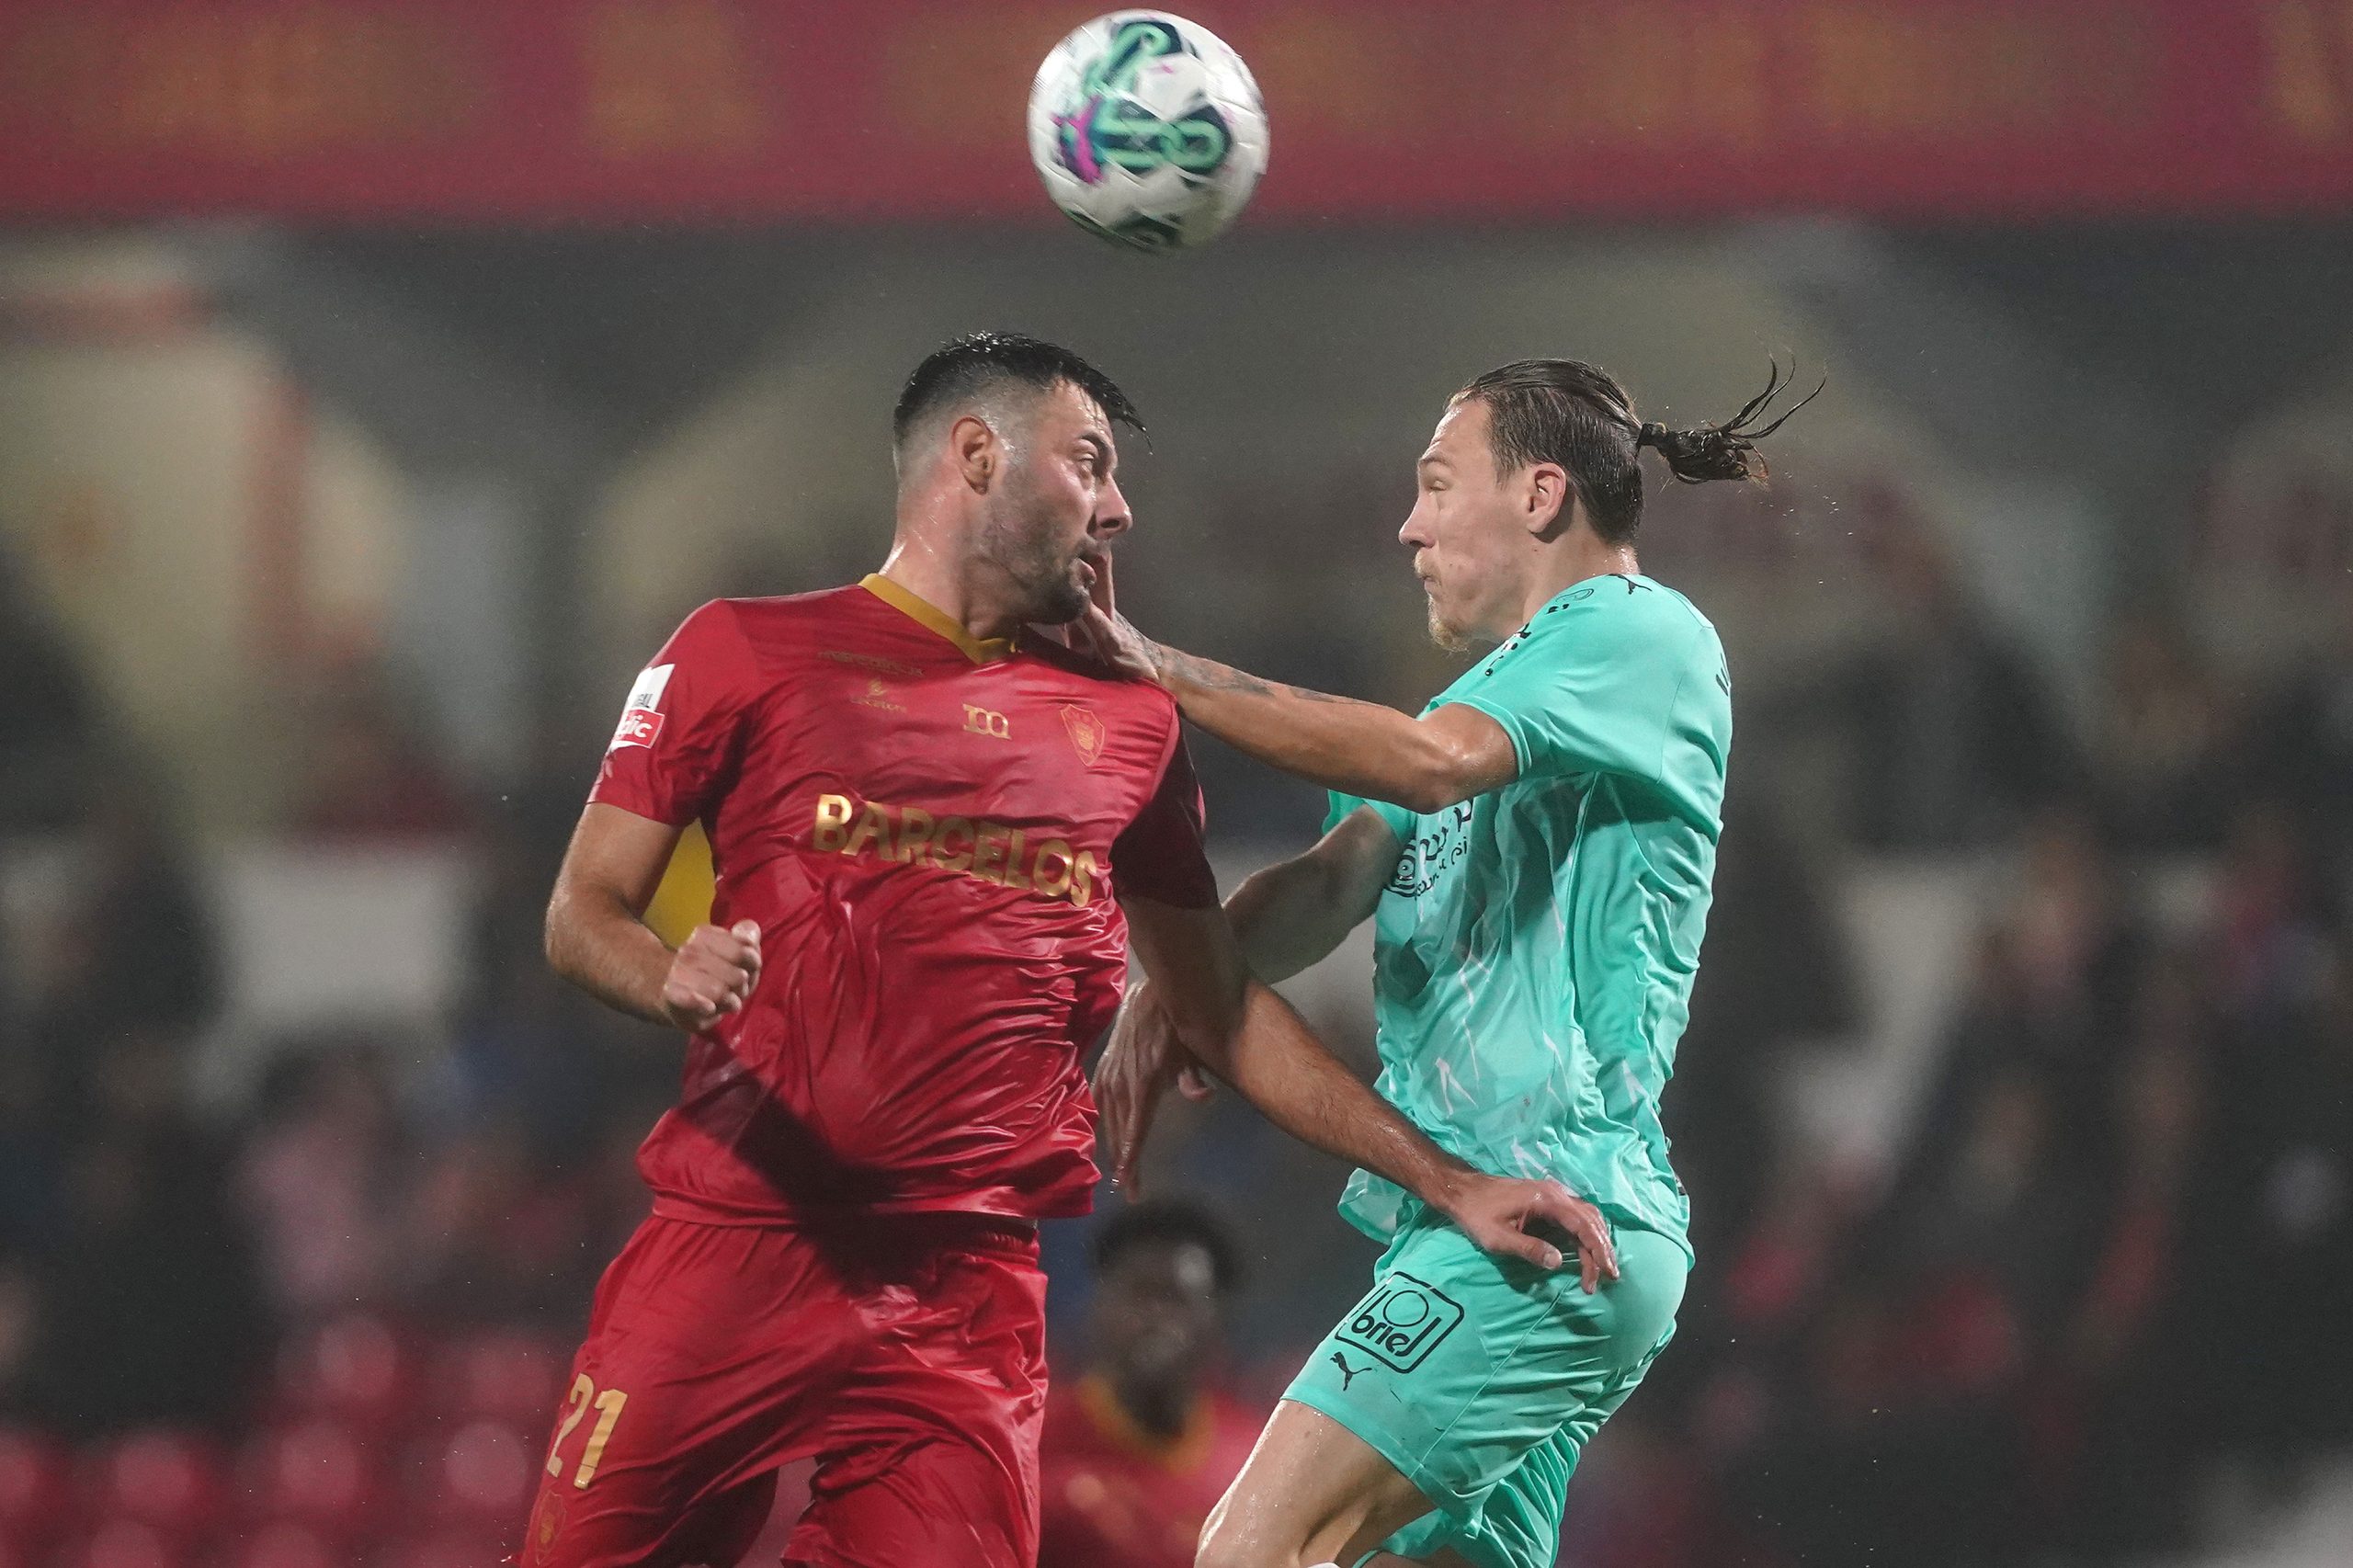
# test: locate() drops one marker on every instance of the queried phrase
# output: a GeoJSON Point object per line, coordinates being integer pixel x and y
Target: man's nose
{"type": "Point", "coordinates": [1111, 515]}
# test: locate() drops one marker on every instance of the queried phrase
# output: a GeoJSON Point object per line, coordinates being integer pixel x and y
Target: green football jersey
{"type": "Point", "coordinates": [1535, 948]}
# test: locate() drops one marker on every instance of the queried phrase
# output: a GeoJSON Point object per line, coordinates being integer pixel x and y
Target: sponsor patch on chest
{"type": "Point", "coordinates": [1042, 863]}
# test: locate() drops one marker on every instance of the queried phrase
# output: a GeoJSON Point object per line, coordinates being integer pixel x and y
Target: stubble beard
{"type": "Point", "coordinates": [1444, 633]}
{"type": "Point", "coordinates": [1018, 542]}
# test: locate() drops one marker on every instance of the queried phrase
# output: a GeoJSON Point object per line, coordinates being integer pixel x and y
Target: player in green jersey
{"type": "Point", "coordinates": [1535, 851]}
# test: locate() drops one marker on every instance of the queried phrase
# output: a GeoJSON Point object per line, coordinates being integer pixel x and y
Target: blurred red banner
{"type": "Point", "coordinates": [556, 111]}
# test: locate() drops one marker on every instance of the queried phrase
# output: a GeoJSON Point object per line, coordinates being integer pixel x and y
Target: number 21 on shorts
{"type": "Point", "coordinates": [609, 1415]}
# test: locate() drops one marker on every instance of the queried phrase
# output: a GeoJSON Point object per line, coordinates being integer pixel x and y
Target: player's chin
{"type": "Point", "coordinates": [1444, 632]}
{"type": "Point", "coordinates": [1066, 598]}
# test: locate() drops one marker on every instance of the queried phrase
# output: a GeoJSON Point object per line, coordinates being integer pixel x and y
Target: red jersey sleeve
{"type": "Point", "coordinates": [1159, 855]}
{"type": "Point", "coordinates": [676, 746]}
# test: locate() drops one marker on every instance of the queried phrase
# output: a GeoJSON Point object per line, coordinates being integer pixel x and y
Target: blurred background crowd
{"type": "Point", "coordinates": [2016, 1105]}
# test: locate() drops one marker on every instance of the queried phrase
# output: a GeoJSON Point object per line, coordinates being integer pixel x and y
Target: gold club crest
{"type": "Point", "coordinates": [1086, 733]}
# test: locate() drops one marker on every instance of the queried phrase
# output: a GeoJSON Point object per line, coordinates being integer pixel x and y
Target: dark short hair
{"type": "Point", "coordinates": [1168, 1221]}
{"type": "Point", "coordinates": [965, 367]}
{"type": "Point", "coordinates": [1575, 414]}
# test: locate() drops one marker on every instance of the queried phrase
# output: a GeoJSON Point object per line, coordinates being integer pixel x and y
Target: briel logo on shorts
{"type": "Point", "coordinates": [1402, 1322]}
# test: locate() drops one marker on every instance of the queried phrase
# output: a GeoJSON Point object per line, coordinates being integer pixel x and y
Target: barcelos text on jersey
{"type": "Point", "coordinates": [1009, 857]}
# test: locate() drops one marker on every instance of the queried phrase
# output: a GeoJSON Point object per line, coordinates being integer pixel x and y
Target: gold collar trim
{"type": "Point", "coordinates": [931, 618]}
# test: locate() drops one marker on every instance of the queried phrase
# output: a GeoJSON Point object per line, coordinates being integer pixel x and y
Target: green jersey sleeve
{"type": "Point", "coordinates": [1592, 686]}
{"type": "Point", "coordinates": [1399, 820]}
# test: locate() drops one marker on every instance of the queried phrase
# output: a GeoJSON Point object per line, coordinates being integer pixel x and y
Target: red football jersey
{"type": "Point", "coordinates": [931, 831]}
{"type": "Point", "coordinates": [1115, 1495]}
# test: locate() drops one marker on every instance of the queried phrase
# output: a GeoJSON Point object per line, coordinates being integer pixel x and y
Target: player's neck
{"type": "Point", "coordinates": [945, 583]}
{"type": "Point", "coordinates": [1572, 560]}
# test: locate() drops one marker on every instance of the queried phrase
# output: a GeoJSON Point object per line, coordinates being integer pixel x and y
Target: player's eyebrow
{"type": "Point", "coordinates": [1104, 453]}
{"type": "Point", "coordinates": [1431, 460]}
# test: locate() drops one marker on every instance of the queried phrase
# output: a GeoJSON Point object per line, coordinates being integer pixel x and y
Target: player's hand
{"type": "Point", "coordinates": [1140, 1063]}
{"type": "Point", "coordinates": [1101, 592]}
{"type": "Point", "coordinates": [1500, 1214]}
{"type": "Point", "coordinates": [712, 975]}
{"type": "Point", "coordinates": [1106, 636]}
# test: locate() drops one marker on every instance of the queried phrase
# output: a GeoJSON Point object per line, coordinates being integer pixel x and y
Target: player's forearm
{"type": "Point", "coordinates": [594, 941]}
{"type": "Point", "coordinates": [1275, 1063]}
{"type": "Point", "coordinates": [1362, 749]}
{"type": "Point", "coordinates": [1288, 916]}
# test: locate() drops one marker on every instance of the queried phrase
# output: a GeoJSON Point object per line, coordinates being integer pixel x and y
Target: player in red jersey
{"type": "Point", "coordinates": [935, 833]}
{"type": "Point", "coordinates": [1142, 1443]}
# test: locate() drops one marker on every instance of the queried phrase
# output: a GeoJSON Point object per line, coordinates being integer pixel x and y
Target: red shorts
{"type": "Point", "coordinates": [904, 1353]}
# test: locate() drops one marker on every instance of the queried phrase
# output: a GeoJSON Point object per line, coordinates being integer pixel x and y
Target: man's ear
{"type": "Point", "coordinates": [977, 451]}
{"type": "Point", "coordinates": [1552, 501]}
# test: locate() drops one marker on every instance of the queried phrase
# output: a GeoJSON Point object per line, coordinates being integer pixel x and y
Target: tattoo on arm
{"type": "Point", "coordinates": [1214, 677]}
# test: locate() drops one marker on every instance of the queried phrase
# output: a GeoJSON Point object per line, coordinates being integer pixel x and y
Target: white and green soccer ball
{"type": "Point", "coordinates": [1147, 131]}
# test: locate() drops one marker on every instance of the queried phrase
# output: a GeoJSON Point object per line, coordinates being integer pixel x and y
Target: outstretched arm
{"type": "Point", "coordinates": [1291, 915]}
{"type": "Point", "coordinates": [1286, 919]}
{"type": "Point", "coordinates": [1423, 765]}
{"type": "Point", "coordinates": [1287, 916]}
{"type": "Point", "coordinates": [1248, 1036]}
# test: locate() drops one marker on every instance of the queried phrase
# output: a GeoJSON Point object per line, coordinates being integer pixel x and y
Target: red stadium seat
{"type": "Point", "coordinates": [126, 1543]}
{"type": "Point", "coordinates": [165, 1478]}
{"type": "Point", "coordinates": [359, 1368]}
{"type": "Point", "coordinates": [446, 1549]}
{"type": "Point", "coordinates": [284, 1545]}
{"type": "Point", "coordinates": [35, 1489]}
{"type": "Point", "coordinates": [510, 1377]}
{"type": "Point", "coordinates": [318, 1473]}
{"type": "Point", "coordinates": [484, 1474]}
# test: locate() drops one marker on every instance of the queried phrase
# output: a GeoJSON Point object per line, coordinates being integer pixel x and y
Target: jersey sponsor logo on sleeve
{"type": "Point", "coordinates": [640, 722]}
{"type": "Point", "coordinates": [1402, 1322]}
{"type": "Point", "coordinates": [640, 727]}
{"type": "Point", "coordinates": [1086, 733]}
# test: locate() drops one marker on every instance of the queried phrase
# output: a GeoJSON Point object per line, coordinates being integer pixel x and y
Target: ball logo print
{"type": "Point", "coordinates": [1402, 1322]}
{"type": "Point", "coordinates": [1147, 131]}
{"type": "Point", "coordinates": [1113, 128]}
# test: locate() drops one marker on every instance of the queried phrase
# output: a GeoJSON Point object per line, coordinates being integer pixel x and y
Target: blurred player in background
{"type": "Point", "coordinates": [1536, 850]}
{"type": "Point", "coordinates": [933, 832]}
{"type": "Point", "coordinates": [1142, 1445]}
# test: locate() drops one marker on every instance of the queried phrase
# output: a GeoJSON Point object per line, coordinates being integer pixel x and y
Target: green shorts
{"type": "Point", "coordinates": [1482, 1378]}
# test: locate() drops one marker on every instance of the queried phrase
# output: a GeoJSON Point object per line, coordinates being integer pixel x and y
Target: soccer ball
{"type": "Point", "coordinates": [1147, 131]}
